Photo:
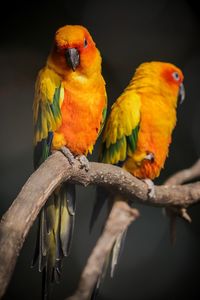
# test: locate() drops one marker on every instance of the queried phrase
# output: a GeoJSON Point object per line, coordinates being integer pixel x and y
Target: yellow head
{"type": "Point", "coordinates": [74, 51]}
{"type": "Point", "coordinates": [159, 78]}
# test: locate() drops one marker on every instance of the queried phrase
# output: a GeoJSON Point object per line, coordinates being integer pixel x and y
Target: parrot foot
{"type": "Point", "coordinates": [67, 153]}
{"type": "Point", "coordinates": [84, 162]}
{"type": "Point", "coordinates": [150, 156]}
{"type": "Point", "coordinates": [151, 187]}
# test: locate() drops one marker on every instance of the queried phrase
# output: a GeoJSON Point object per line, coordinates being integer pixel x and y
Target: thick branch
{"type": "Point", "coordinates": [119, 219]}
{"type": "Point", "coordinates": [17, 221]}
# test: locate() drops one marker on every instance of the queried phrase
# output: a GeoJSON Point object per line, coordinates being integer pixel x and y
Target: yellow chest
{"type": "Point", "coordinates": [157, 122]}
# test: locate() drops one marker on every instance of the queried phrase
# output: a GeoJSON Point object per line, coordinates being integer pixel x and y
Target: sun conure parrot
{"type": "Point", "coordinates": [138, 130]}
{"type": "Point", "coordinates": [69, 111]}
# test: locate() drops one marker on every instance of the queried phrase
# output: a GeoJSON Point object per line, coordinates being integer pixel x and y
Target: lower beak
{"type": "Point", "coordinates": [72, 58]}
{"type": "Point", "coordinates": [181, 93]}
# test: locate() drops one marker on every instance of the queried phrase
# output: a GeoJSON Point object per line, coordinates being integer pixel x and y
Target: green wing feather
{"type": "Point", "coordinates": [56, 220]}
{"type": "Point", "coordinates": [104, 113]}
{"type": "Point", "coordinates": [118, 142]}
{"type": "Point", "coordinates": [119, 138]}
{"type": "Point", "coordinates": [121, 130]}
{"type": "Point", "coordinates": [47, 113]}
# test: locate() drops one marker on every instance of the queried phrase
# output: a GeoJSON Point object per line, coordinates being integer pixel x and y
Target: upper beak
{"type": "Point", "coordinates": [181, 93]}
{"type": "Point", "coordinates": [72, 58]}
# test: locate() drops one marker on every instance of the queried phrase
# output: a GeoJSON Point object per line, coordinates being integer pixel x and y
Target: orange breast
{"type": "Point", "coordinates": [158, 145]}
{"type": "Point", "coordinates": [81, 118]}
{"type": "Point", "coordinates": [156, 126]}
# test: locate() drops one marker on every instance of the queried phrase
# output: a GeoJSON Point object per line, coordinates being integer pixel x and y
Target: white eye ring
{"type": "Point", "coordinates": [175, 76]}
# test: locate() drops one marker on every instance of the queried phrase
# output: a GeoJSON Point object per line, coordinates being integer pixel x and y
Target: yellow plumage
{"type": "Point", "coordinates": [138, 130]}
{"type": "Point", "coordinates": [47, 82]}
{"type": "Point", "coordinates": [69, 111]}
{"type": "Point", "coordinates": [142, 119]}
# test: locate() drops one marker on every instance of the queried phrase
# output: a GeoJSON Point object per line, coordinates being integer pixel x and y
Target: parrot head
{"type": "Point", "coordinates": [74, 51]}
{"type": "Point", "coordinates": [174, 78]}
{"type": "Point", "coordinates": [165, 78]}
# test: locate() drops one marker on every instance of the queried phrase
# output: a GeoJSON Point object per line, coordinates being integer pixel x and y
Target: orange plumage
{"type": "Point", "coordinates": [138, 130]}
{"type": "Point", "coordinates": [84, 91]}
{"type": "Point", "coordinates": [69, 110]}
{"type": "Point", "coordinates": [148, 106]}
{"type": "Point", "coordinates": [81, 118]}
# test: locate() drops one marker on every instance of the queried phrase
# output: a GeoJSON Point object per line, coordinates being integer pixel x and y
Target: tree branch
{"type": "Point", "coordinates": [96, 260]}
{"type": "Point", "coordinates": [16, 222]}
{"type": "Point", "coordinates": [119, 219]}
{"type": "Point", "coordinates": [185, 175]}
{"type": "Point", "coordinates": [172, 212]}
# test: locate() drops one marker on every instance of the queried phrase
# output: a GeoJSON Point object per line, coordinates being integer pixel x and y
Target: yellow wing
{"type": "Point", "coordinates": [49, 94]}
{"type": "Point", "coordinates": [121, 130]}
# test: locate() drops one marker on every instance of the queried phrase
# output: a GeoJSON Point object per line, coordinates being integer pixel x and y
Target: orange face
{"type": "Point", "coordinates": [74, 49]}
{"type": "Point", "coordinates": [172, 75]}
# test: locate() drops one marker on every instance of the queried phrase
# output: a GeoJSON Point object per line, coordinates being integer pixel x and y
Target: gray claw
{"type": "Point", "coordinates": [67, 153]}
{"type": "Point", "coordinates": [84, 162]}
{"type": "Point", "coordinates": [151, 187]}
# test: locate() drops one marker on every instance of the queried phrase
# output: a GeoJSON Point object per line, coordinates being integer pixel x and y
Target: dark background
{"type": "Point", "coordinates": [127, 33]}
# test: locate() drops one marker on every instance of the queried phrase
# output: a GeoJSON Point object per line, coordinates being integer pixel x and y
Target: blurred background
{"type": "Point", "coordinates": [127, 33]}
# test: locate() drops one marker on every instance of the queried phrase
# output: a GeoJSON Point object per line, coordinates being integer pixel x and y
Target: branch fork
{"type": "Point", "coordinates": [17, 221]}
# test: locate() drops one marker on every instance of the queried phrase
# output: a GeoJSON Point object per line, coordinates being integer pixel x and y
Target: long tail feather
{"type": "Point", "coordinates": [112, 258]}
{"type": "Point", "coordinates": [100, 278]}
{"type": "Point", "coordinates": [55, 233]}
{"type": "Point", "coordinates": [67, 218]}
{"type": "Point", "coordinates": [117, 251]}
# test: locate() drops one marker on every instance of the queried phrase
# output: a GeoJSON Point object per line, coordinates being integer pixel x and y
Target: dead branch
{"type": "Point", "coordinates": [119, 219]}
{"type": "Point", "coordinates": [94, 265]}
{"type": "Point", "coordinates": [16, 222]}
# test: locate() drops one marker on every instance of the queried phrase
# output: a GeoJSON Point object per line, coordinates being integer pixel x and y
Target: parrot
{"type": "Point", "coordinates": [69, 110]}
{"type": "Point", "coordinates": [138, 132]}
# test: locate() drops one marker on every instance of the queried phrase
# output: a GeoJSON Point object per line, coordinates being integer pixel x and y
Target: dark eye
{"type": "Point", "coordinates": [176, 76]}
{"type": "Point", "coordinates": [85, 43]}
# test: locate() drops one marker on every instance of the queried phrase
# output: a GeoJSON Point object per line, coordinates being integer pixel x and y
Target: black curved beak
{"type": "Point", "coordinates": [72, 58]}
{"type": "Point", "coordinates": [181, 93]}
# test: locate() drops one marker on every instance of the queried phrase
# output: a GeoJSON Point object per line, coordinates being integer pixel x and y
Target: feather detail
{"type": "Point", "coordinates": [55, 234]}
{"type": "Point", "coordinates": [121, 130]}
{"type": "Point", "coordinates": [49, 95]}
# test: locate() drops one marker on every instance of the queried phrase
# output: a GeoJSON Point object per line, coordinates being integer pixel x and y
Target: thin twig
{"type": "Point", "coordinates": [185, 175]}
{"type": "Point", "coordinates": [174, 212]}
